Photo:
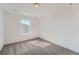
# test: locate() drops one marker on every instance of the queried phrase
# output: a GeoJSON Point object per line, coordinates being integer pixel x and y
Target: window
{"type": "Point", "coordinates": [25, 25]}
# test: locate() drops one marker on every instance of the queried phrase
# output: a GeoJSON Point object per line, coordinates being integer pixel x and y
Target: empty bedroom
{"type": "Point", "coordinates": [39, 28]}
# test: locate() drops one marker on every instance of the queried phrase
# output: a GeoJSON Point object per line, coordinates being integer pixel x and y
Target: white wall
{"type": "Point", "coordinates": [1, 29]}
{"type": "Point", "coordinates": [12, 28]}
{"type": "Point", "coordinates": [61, 26]}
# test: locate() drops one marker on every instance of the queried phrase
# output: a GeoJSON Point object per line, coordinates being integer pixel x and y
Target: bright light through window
{"type": "Point", "coordinates": [25, 21]}
{"type": "Point", "coordinates": [25, 24]}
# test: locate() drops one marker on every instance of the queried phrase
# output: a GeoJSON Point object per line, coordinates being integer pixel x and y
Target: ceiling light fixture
{"type": "Point", "coordinates": [36, 5]}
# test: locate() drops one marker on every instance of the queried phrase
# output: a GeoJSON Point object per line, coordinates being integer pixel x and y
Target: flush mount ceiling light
{"type": "Point", "coordinates": [36, 5]}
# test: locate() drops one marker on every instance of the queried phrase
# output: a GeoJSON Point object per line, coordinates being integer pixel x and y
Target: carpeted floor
{"type": "Point", "coordinates": [35, 47]}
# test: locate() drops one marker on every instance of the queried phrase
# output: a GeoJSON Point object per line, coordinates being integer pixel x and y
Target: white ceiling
{"type": "Point", "coordinates": [28, 10]}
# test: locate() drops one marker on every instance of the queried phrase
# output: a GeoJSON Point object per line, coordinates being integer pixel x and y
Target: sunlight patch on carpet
{"type": "Point", "coordinates": [43, 44]}
{"type": "Point", "coordinates": [34, 41]}
{"type": "Point", "coordinates": [39, 43]}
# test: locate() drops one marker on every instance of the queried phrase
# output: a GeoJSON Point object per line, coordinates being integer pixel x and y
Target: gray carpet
{"type": "Point", "coordinates": [35, 47]}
